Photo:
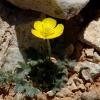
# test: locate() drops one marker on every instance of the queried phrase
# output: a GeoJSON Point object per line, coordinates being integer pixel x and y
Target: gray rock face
{"type": "Point", "coordinates": [91, 35]}
{"type": "Point", "coordinates": [63, 9]}
{"type": "Point", "coordinates": [9, 51]}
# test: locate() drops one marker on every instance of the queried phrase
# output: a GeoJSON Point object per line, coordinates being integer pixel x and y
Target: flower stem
{"type": "Point", "coordinates": [49, 48]}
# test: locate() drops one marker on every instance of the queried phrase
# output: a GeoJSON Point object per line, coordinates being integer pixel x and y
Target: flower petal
{"type": "Point", "coordinates": [38, 26]}
{"type": "Point", "coordinates": [37, 34]}
{"type": "Point", "coordinates": [59, 29]}
{"type": "Point", "coordinates": [49, 23]}
{"type": "Point", "coordinates": [56, 32]}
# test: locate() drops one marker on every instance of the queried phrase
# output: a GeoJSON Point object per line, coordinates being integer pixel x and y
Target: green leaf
{"type": "Point", "coordinates": [3, 79]}
{"type": "Point", "coordinates": [19, 77]}
{"type": "Point", "coordinates": [26, 71]}
{"type": "Point", "coordinates": [72, 64]}
{"type": "Point", "coordinates": [19, 88]}
{"type": "Point", "coordinates": [23, 65]}
{"type": "Point", "coordinates": [32, 62]}
{"type": "Point", "coordinates": [30, 91]}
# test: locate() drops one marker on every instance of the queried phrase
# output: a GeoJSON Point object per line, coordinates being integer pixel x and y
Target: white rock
{"type": "Point", "coordinates": [51, 93]}
{"type": "Point", "coordinates": [91, 35]}
{"type": "Point", "coordinates": [63, 9]}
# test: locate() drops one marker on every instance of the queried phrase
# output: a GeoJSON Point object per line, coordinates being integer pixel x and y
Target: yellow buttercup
{"type": "Point", "coordinates": [47, 29]}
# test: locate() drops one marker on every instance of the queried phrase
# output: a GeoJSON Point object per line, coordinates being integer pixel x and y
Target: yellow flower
{"type": "Point", "coordinates": [47, 29]}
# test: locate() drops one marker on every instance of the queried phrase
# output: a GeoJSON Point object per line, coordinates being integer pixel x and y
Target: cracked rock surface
{"type": "Point", "coordinates": [63, 9]}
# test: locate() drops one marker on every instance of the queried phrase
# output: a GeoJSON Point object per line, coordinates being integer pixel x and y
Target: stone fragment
{"type": "Point", "coordinates": [51, 93]}
{"type": "Point", "coordinates": [65, 98]}
{"type": "Point", "coordinates": [87, 85]}
{"type": "Point", "coordinates": [74, 84]}
{"type": "Point", "coordinates": [85, 74]}
{"type": "Point", "coordinates": [89, 52]}
{"type": "Point", "coordinates": [74, 79]}
{"type": "Point", "coordinates": [41, 96]}
{"type": "Point", "coordinates": [73, 87]}
{"type": "Point", "coordinates": [96, 57]}
{"type": "Point", "coordinates": [82, 87]}
{"type": "Point", "coordinates": [64, 92]}
{"type": "Point", "coordinates": [19, 96]}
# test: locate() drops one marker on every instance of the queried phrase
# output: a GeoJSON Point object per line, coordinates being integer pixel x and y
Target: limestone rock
{"type": "Point", "coordinates": [63, 9]}
{"type": "Point", "coordinates": [91, 35]}
{"type": "Point", "coordinates": [10, 53]}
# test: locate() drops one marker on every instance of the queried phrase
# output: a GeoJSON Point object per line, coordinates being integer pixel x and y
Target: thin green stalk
{"type": "Point", "coordinates": [49, 48]}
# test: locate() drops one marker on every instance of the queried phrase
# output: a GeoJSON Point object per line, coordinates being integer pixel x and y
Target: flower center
{"type": "Point", "coordinates": [47, 32]}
